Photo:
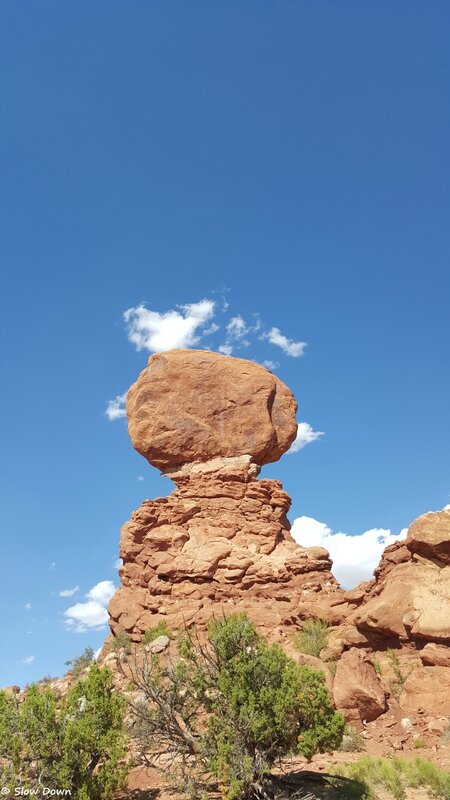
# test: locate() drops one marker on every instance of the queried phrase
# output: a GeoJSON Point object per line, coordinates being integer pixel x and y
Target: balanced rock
{"type": "Point", "coordinates": [220, 543]}
{"type": "Point", "coordinates": [194, 405]}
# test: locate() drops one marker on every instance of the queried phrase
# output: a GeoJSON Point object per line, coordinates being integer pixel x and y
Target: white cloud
{"type": "Point", "coordinates": [28, 607]}
{"type": "Point", "coordinates": [213, 328]}
{"type": "Point", "coordinates": [27, 660]}
{"type": "Point", "coordinates": [116, 408]}
{"type": "Point", "coordinates": [447, 507]}
{"type": "Point", "coordinates": [118, 563]}
{"type": "Point", "coordinates": [52, 565]}
{"type": "Point", "coordinates": [288, 347]}
{"type": "Point", "coordinates": [140, 477]}
{"type": "Point", "coordinates": [93, 613]}
{"type": "Point", "coordinates": [237, 328]}
{"type": "Point", "coordinates": [153, 331]}
{"type": "Point", "coordinates": [225, 349]}
{"type": "Point", "coordinates": [270, 364]}
{"type": "Point", "coordinates": [102, 592]}
{"type": "Point", "coordinates": [69, 592]}
{"type": "Point", "coordinates": [354, 557]}
{"type": "Point", "coordinates": [305, 435]}
{"type": "Point", "coordinates": [97, 653]}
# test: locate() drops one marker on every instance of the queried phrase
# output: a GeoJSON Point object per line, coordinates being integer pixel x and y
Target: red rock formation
{"type": "Point", "coordinates": [221, 541]}
{"type": "Point", "coordinates": [410, 599]}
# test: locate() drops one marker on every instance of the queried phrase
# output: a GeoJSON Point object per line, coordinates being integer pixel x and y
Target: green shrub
{"type": "Point", "coordinates": [312, 638]}
{"type": "Point", "coordinates": [377, 665]}
{"type": "Point", "coordinates": [352, 741]}
{"type": "Point", "coordinates": [76, 743]}
{"type": "Point", "coordinates": [81, 662]}
{"type": "Point", "coordinates": [161, 629]}
{"type": "Point", "coordinates": [394, 775]}
{"type": "Point", "coordinates": [231, 706]}
{"type": "Point", "coordinates": [121, 642]}
{"type": "Point", "coordinates": [397, 683]}
{"type": "Point", "coordinates": [419, 742]}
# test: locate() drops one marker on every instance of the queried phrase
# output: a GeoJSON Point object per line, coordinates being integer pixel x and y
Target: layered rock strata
{"type": "Point", "coordinates": [221, 541]}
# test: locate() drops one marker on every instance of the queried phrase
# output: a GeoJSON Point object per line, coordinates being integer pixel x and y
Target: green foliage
{"type": "Point", "coordinates": [397, 683]}
{"type": "Point", "coordinates": [81, 662]}
{"type": "Point", "coordinates": [76, 744]}
{"type": "Point", "coordinates": [161, 629]}
{"type": "Point", "coordinates": [377, 665]}
{"type": "Point", "coordinates": [352, 741]}
{"type": "Point", "coordinates": [394, 775]}
{"type": "Point", "coordinates": [419, 742]}
{"type": "Point", "coordinates": [312, 638]}
{"type": "Point", "coordinates": [234, 705]}
{"type": "Point", "coordinates": [121, 642]}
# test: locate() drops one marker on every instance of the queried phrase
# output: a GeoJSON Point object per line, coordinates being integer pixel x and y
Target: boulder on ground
{"type": "Point", "coordinates": [357, 690]}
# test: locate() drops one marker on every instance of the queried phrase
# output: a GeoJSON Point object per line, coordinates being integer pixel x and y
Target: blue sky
{"type": "Point", "coordinates": [289, 159]}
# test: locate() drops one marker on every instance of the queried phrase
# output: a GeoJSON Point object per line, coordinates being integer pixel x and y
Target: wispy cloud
{"type": "Point", "coordinates": [69, 592]}
{"type": "Point", "coordinates": [290, 348]}
{"type": "Point", "coordinates": [269, 364]}
{"type": "Point", "coordinates": [115, 409]}
{"type": "Point", "coordinates": [28, 607]}
{"type": "Point", "coordinates": [354, 557]}
{"type": "Point", "coordinates": [305, 435]}
{"type": "Point", "coordinates": [92, 613]}
{"type": "Point", "coordinates": [27, 660]}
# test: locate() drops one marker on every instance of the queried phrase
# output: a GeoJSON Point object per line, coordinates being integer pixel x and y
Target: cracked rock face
{"type": "Point", "coordinates": [194, 405]}
{"type": "Point", "coordinates": [220, 542]}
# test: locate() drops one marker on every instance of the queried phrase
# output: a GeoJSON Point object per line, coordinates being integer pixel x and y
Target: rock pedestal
{"type": "Point", "coordinates": [220, 543]}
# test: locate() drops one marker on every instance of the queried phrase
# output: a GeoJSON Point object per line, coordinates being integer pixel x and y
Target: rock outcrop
{"type": "Point", "coordinates": [410, 598]}
{"type": "Point", "coordinates": [221, 541]}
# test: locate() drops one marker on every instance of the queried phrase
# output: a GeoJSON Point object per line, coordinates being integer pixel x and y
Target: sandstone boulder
{"type": "Point", "coordinates": [194, 405]}
{"type": "Point", "coordinates": [357, 690]}
{"type": "Point", "coordinates": [427, 690]}
{"type": "Point", "coordinates": [435, 655]}
{"type": "Point", "coordinates": [410, 598]}
{"type": "Point", "coordinates": [429, 536]}
{"type": "Point", "coordinates": [414, 603]}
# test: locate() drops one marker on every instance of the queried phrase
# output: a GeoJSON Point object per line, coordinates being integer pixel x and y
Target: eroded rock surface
{"type": "Point", "coordinates": [219, 543]}
{"type": "Point", "coordinates": [410, 599]}
{"type": "Point", "coordinates": [357, 689]}
{"type": "Point", "coordinates": [193, 405]}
